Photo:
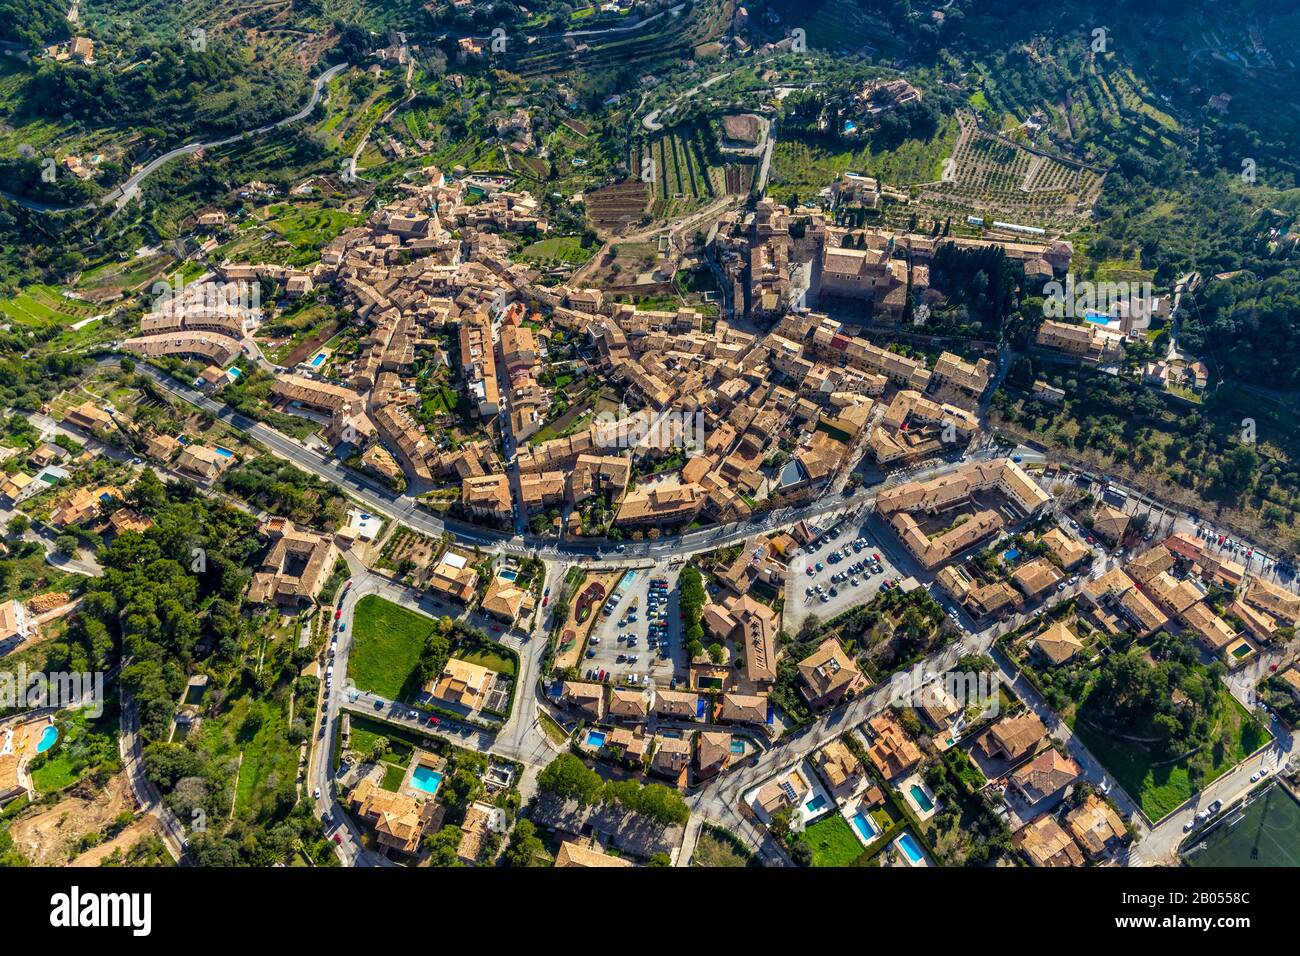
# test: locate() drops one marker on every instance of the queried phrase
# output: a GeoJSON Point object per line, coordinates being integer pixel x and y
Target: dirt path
{"type": "Point", "coordinates": [137, 831]}
{"type": "Point", "coordinates": [50, 837]}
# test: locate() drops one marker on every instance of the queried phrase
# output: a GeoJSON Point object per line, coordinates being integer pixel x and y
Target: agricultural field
{"type": "Point", "coordinates": [39, 305]}
{"type": "Point", "coordinates": [994, 177]}
{"type": "Point", "coordinates": [619, 206]}
{"type": "Point", "coordinates": [286, 233]}
{"type": "Point", "coordinates": [800, 169]}
{"type": "Point", "coordinates": [354, 104]}
{"type": "Point", "coordinates": [680, 178]}
{"type": "Point", "coordinates": [1079, 98]}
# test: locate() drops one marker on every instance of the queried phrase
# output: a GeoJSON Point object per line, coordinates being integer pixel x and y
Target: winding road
{"type": "Point", "coordinates": [123, 193]}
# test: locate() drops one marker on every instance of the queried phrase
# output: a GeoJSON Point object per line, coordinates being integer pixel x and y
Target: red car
{"type": "Point", "coordinates": [338, 839]}
{"type": "Point", "coordinates": [434, 721]}
{"type": "Point", "coordinates": [545, 601]}
{"type": "Point", "coordinates": [875, 557]}
{"type": "Point", "coordinates": [338, 614]}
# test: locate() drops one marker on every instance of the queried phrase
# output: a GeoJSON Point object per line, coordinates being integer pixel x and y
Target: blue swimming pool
{"type": "Point", "coordinates": [234, 370]}
{"type": "Point", "coordinates": [911, 849]}
{"type": "Point", "coordinates": [507, 574]}
{"type": "Point", "coordinates": [866, 827]}
{"type": "Point", "coordinates": [737, 746]}
{"type": "Point", "coordinates": [595, 738]}
{"type": "Point", "coordinates": [922, 800]}
{"type": "Point", "coordinates": [426, 779]}
{"type": "Point", "coordinates": [316, 362]}
{"type": "Point", "coordinates": [1096, 318]}
{"type": "Point", "coordinates": [1010, 554]}
{"type": "Point", "coordinates": [49, 736]}
{"type": "Point", "coordinates": [224, 452]}
{"type": "Point", "coordinates": [815, 804]}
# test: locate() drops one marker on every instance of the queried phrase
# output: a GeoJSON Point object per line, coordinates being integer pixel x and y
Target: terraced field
{"type": "Point", "coordinates": [43, 304]}
{"type": "Point", "coordinates": [619, 205]}
{"type": "Point", "coordinates": [992, 176]}
{"type": "Point", "coordinates": [681, 177]}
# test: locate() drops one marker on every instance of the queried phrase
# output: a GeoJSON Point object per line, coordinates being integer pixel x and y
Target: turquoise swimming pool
{"type": "Point", "coordinates": [316, 362]}
{"type": "Point", "coordinates": [426, 779]}
{"type": "Point", "coordinates": [815, 804]}
{"type": "Point", "coordinates": [595, 738]}
{"type": "Point", "coordinates": [737, 746]}
{"type": "Point", "coordinates": [1010, 554]}
{"type": "Point", "coordinates": [507, 574]}
{"type": "Point", "coordinates": [49, 737]}
{"type": "Point", "coordinates": [922, 799]}
{"type": "Point", "coordinates": [867, 828]}
{"type": "Point", "coordinates": [911, 849]}
{"type": "Point", "coordinates": [224, 452]}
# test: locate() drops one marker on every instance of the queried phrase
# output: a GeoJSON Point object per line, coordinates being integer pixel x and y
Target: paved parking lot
{"type": "Point", "coordinates": [651, 660]}
{"type": "Point", "coordinates": [799, 604]}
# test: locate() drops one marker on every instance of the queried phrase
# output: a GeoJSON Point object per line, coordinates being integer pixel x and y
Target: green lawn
{"type": "Point", "coordinates": [558, 248]}
{"type": "Point", "coordinates": [720, 848]}
{"type": "Point", "coordinates": [84, 745]}
{"type": "Point", "coordinates": [1160, 790]}
{"type": "Point", "coordinates": [553, 729]}
{"type": "Point", "coordinates": [833, 841]}
{"type": "Point", "coordinates": [42, 305]}
{"type": "Point", "coordinates": [365, 732]}
{"type": "Point", "coordinates": [386, 646]}
{"type": "Point", "coordinates": [492, 660]}
{"type": "Point", "coordinates": [393, 777]}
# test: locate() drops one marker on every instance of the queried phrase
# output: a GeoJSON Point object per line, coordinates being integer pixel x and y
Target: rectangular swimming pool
{"type": "Point", "coordinates": [426, 779]}
{"type": "Point", "coordinates": [907, 843]}
{"type": "Point", "coordinates": [866, 827]}
{"type": "Point", "coordinates": [922, 800]}
{"type": "Point", "coordinates": [816, 803]}
{"type": "Point", "coordinates": [595, 738]}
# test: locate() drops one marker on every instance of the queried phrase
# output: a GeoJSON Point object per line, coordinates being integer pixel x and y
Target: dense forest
{"type": "Point", "coordinates": [33, 22]}
{"type": "Point", "coordinates": [170, 603]}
